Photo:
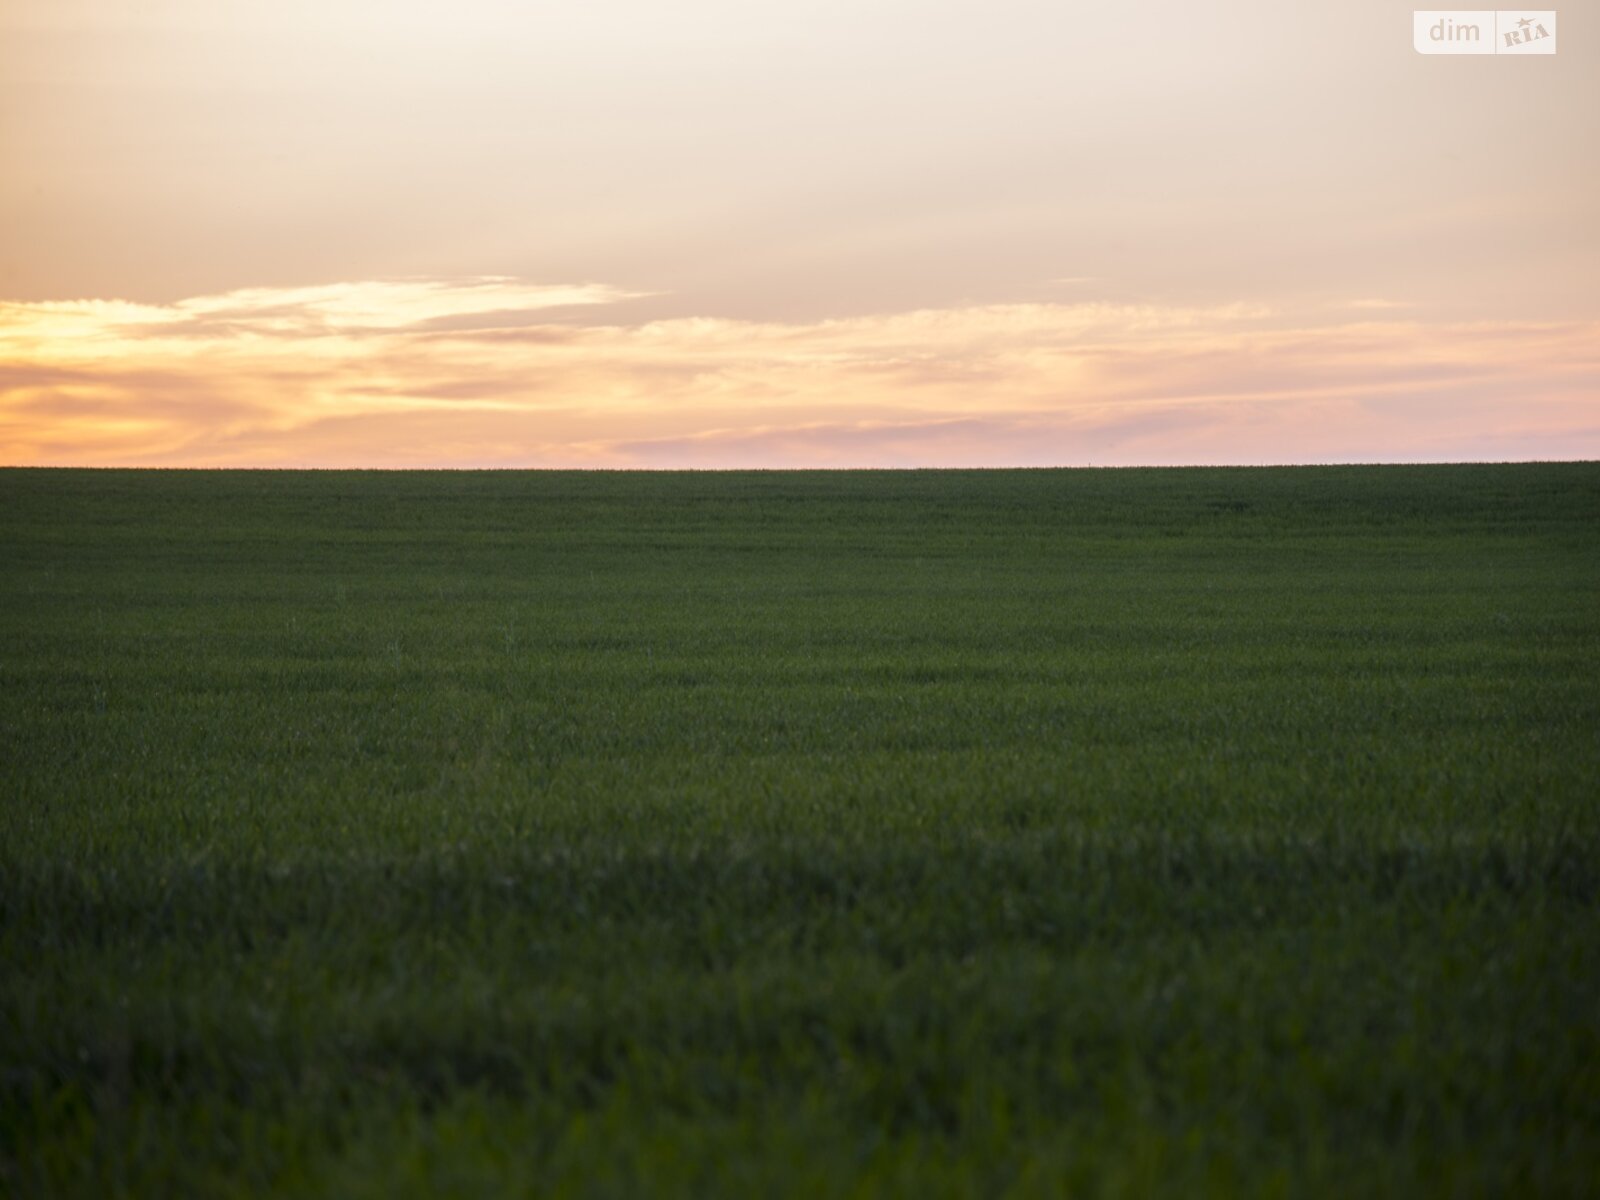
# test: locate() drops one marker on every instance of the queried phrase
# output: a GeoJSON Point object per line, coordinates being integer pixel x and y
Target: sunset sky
{"type": "Point", "coordinates": [625, 233]}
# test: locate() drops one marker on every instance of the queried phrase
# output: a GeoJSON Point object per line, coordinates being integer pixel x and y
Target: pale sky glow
{"type": "Point", "coordinates": [627, 234]}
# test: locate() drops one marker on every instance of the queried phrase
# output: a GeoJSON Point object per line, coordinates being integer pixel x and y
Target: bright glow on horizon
{"type": "Point", "coordinates": [436, 373]}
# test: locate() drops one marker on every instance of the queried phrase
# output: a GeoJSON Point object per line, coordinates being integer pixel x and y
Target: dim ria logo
{"type": "Point", "coordinates": [1484, 31]}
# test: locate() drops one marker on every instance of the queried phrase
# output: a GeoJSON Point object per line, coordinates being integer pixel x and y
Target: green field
{"type": "Point", "coordinates": [1127, 833]}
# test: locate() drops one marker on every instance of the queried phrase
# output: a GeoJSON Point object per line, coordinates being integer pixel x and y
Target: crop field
{"type": "Point", "coordinates": [1086, 832]}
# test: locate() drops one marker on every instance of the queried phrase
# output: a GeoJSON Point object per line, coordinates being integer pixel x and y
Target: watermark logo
{"type": "Point", "coordinates": [1484, 31]}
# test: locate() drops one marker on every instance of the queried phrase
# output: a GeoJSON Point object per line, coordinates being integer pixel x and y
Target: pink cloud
{"type": "Point", "coordinates": [475, 372]}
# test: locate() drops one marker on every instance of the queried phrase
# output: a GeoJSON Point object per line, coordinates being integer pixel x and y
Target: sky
{"type": "Point", "coordinates": [874, 233]}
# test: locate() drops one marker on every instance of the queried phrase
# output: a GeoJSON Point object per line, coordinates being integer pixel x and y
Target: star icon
{"type": "Point", "coordinates": [1525, 22]}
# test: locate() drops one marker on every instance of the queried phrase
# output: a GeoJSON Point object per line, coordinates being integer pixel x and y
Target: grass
{"type": "Point", "coordinates": [1115, 833]}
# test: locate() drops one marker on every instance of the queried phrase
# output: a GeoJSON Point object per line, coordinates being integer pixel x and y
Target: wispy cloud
{"type": "Point", "coordinates": [501, 372]}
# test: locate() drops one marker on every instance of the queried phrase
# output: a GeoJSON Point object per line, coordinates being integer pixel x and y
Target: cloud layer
{"type": "Point", "coordinates": [493, 371]}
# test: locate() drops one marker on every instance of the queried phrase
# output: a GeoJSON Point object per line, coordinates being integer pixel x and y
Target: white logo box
{"type": "Point", "coordinates": [1484, 31]}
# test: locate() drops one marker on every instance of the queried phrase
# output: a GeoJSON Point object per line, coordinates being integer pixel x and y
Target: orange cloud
{"type": "Point", "coordinates": [499, 372]}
